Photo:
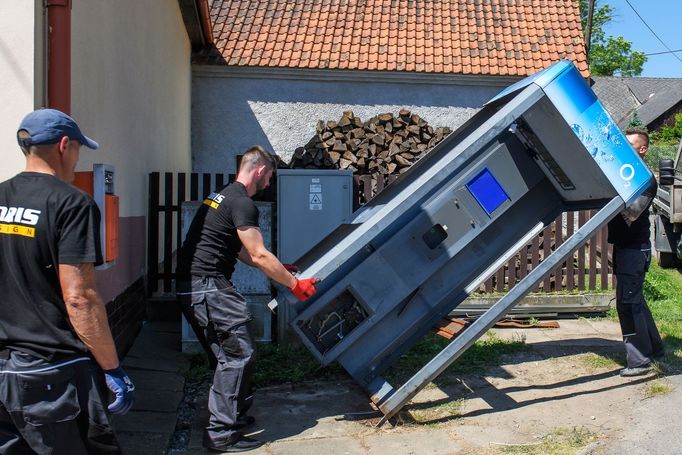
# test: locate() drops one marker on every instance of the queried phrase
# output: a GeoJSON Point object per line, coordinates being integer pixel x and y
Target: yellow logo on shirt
{"type": "Point", "coordinates": [213, 200]}
{"type": "Point", "coordinates": [11, 215]}
{"type": "Point", "coordinates": [17, 229]}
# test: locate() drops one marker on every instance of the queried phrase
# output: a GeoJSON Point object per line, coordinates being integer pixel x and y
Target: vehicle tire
{"type": "Point", "coordinates": [666, 260]}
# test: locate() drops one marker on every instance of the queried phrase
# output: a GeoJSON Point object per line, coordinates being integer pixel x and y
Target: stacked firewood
{"type": "Point", "coordinates": [383, 145]}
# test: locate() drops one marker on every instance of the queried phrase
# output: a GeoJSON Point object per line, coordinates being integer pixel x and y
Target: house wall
{"type": "Point", "coordinates": [130, 87]}
{"type": "Point", "coordinates": [21, 53]}
{"type": "Point", "coordinates": [234, 108]}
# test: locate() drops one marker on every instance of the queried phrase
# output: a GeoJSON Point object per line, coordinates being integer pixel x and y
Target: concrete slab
{"type": "Point", "coordinates": [157, 400]}
{"type": "Point", "coordinates": [141, 443]}
{"type": "Point", "coordinates": [420, 442]}
{"type": "Point", "coordinates": [332, 446]}
{"type": "Point", "coordinates": [146, 422]}
{"type": "Point", "coordinates": [172, 365]}
{"type": "Point", "coordinates": [157, 380]}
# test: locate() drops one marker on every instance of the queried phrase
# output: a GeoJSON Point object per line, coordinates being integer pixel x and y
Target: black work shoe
{"type": "Point", "coordinates": [244, 421]}
{"type": "Point", "coordinates": [242, 444]}
{"type": "Point", "coordinates": [636, 371]}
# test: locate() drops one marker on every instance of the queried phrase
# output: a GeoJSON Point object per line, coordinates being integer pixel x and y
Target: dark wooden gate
{"type": "Point", "coordinates": [164, 222]}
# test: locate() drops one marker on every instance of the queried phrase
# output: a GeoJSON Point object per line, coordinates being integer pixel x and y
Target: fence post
{"type": "Point", "coordinates": [168, 232]}
{"type": "Point", "coordinates": [153, 234]}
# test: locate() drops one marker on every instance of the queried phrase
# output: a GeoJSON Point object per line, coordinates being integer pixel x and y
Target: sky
{"type": "Point", "coordinates": [664, 17]}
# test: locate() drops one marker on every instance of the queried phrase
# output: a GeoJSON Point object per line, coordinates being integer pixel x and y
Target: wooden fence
{"type": "Point", "coordinates": [164, 221]}
{"type": "Point", "coordinates": [588, 269]}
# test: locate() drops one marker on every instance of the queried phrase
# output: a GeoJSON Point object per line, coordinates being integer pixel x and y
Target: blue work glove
{"type": "Point", "coordinates": [124, 389]}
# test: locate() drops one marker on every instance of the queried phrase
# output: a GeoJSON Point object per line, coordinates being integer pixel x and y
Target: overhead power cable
{"type": "Point", "coordinates": [652, 31]}
{"type": "Point", "coordinates": [664, 52]}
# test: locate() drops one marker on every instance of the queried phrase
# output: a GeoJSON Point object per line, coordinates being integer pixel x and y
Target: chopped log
{"type": "Point", "coordinates": [402, 161]}
{"type": "Point", "coordinates": [378, 139]}
{"type": "Point", "coordinates": [343, 163]}
{"type": "Point", "coordinates": [350, 156]}
{"type": "Point", "coordinates": [339, 146]}
{"type": "Point", "coordinates": [382, 147]}
{"type": "Point", "coordinates": [334, 156]}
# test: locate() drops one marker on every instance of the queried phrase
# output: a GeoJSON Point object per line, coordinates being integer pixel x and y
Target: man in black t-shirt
{"type": "Point", "coordinates": [53, 324]}
{"type": "Point", "coordinates": [226, 229]}
{"type": "Point", "coordinates": [629, 232]}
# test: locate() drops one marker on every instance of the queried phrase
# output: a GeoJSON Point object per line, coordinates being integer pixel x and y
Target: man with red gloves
{"type": "Point", "coordinates": [226, 229]}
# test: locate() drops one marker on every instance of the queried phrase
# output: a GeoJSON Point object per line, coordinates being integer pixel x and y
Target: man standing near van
{"type": "Point", "coordinates": [630, 234]}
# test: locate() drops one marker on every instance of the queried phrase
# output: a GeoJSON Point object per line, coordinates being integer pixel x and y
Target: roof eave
{"type": "Point", "coordinates": [195, 15]}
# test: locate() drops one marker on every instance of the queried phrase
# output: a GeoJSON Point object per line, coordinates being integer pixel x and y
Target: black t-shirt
{"type": "Point", "coordinates": [212, 244]}
{"type": "Point", "coordinates": [637, 236]}
{"type": "Point", "coordinates": [44, 222]}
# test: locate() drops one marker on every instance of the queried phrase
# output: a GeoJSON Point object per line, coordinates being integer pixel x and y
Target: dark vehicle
{"type": "Point", "coordinates": [667, 208]}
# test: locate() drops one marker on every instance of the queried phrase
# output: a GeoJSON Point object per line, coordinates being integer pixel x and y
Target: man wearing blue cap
{"type": "Point", "coordinates": [53, 323]}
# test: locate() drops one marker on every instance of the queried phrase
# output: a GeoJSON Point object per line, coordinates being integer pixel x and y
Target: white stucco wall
{"type": "Point", "coordinates": [130, 90]}
{"type": "Point", "coordinates": [233, 109]}
{"type": "Point", "coordinates": [19, 85]}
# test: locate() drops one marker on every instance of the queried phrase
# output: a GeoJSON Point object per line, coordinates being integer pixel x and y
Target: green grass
{"type": "Point", "coordinates": [657, 387]}
{"type": "Point", "coordinates": [485, 352]}
{"type": "Point", "coordinates": [561, 441]}
{"type": "Point", "coordinates": [198, 368]}
{"type": "Point", "coordinates": [663, 292]}
{"type": "Point", "coordinates": [597, 361]}
{"type": "Point", "coordinates": [433, 413]}
{"type": "Point", "coordinates": [277, 364]}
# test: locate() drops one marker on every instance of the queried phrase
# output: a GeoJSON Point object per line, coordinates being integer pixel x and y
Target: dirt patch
{"type": "Point", "coordinates": [529, 395]}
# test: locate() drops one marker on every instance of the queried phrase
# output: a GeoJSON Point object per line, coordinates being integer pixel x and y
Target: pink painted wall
{"type": "Point", "coordinates": [130, 264]}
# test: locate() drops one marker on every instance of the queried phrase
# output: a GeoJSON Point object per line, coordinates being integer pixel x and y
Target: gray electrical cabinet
{"type": "Point", "coordinates": [311, 203]}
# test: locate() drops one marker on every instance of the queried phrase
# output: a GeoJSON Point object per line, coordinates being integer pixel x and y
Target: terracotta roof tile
{"type": "Point", "coordinates": [497, 37]}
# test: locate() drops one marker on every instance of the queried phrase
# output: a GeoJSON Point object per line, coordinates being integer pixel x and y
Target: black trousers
{"type": "Point", "coordinates": [48, 410]}
{"type": "Point", "coordinates": [640, 335]}
{"type": "Point", "coordinates": [219, 316]}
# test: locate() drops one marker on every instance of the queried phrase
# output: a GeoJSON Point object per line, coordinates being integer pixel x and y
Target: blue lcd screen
{"type": "Point", "coordinates": [487, 191]}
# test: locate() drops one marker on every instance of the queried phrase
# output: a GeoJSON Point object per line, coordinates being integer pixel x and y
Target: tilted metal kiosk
{"type": "Point", "coordinates": [543, 146]}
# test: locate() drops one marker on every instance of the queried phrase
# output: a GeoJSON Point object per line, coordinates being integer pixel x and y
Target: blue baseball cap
{"type": "Point", "coordinates": [49, 126]}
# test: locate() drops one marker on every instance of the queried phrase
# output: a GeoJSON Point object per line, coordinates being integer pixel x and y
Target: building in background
{"type": "Point", "coordinates": [278, 67]}
{"type": "Point", "coordinates": [122, 70]}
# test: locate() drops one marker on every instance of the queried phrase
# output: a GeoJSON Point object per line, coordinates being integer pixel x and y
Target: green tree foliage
{"type": "Point", "coordinates": [610, 55]}
{"type": "Point", "coordinates": [636, 122]}
{"type": "Point", "coordinates": [669, 134]}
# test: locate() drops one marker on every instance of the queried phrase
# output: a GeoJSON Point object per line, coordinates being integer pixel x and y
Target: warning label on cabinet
{"type": "Point", "coordinates": [315, 200]}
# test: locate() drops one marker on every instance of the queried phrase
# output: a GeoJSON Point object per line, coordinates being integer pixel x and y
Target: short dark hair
{"type": "Point", "coordinates": [257, 156]}
{"type": "Point", "coordinates": [639, 131]}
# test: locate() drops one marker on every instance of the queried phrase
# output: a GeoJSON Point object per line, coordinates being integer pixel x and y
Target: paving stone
{"type": "Point", "coordinates": [331, 446]}
{"type": "Point", "coordinates": [157, 380]}
{"type": "Point", "coordinates": [157, 400]}
{"type": "Point", "coordinates": [146, 422]}
{"type": "Point", "coordinates": [172, 365]}
{"type": "Point", "coordinates": [142, 443]}
{"type": "Point", "coordinates": [422, 442]}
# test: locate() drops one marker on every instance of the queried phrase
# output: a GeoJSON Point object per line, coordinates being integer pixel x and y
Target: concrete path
{"type": "Point", "coordinates": [156, 366]}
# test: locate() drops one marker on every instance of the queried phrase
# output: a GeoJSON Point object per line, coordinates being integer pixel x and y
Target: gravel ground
{"type": "Point", "coordinates": [195, 391]}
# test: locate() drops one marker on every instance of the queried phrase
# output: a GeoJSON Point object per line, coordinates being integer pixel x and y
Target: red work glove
{"type": "Point", "coordinates": [292, 268]}
{"type": "Point", "coordinates": [304, 289]}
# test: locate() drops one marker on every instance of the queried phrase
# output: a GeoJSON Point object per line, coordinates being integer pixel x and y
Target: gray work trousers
{"type": "Point", "coordinates": [52, 408]}
{"type": "Point", "coordinates": [219, 315]}
{"type": "Point", "coordinates": [640, 335]}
